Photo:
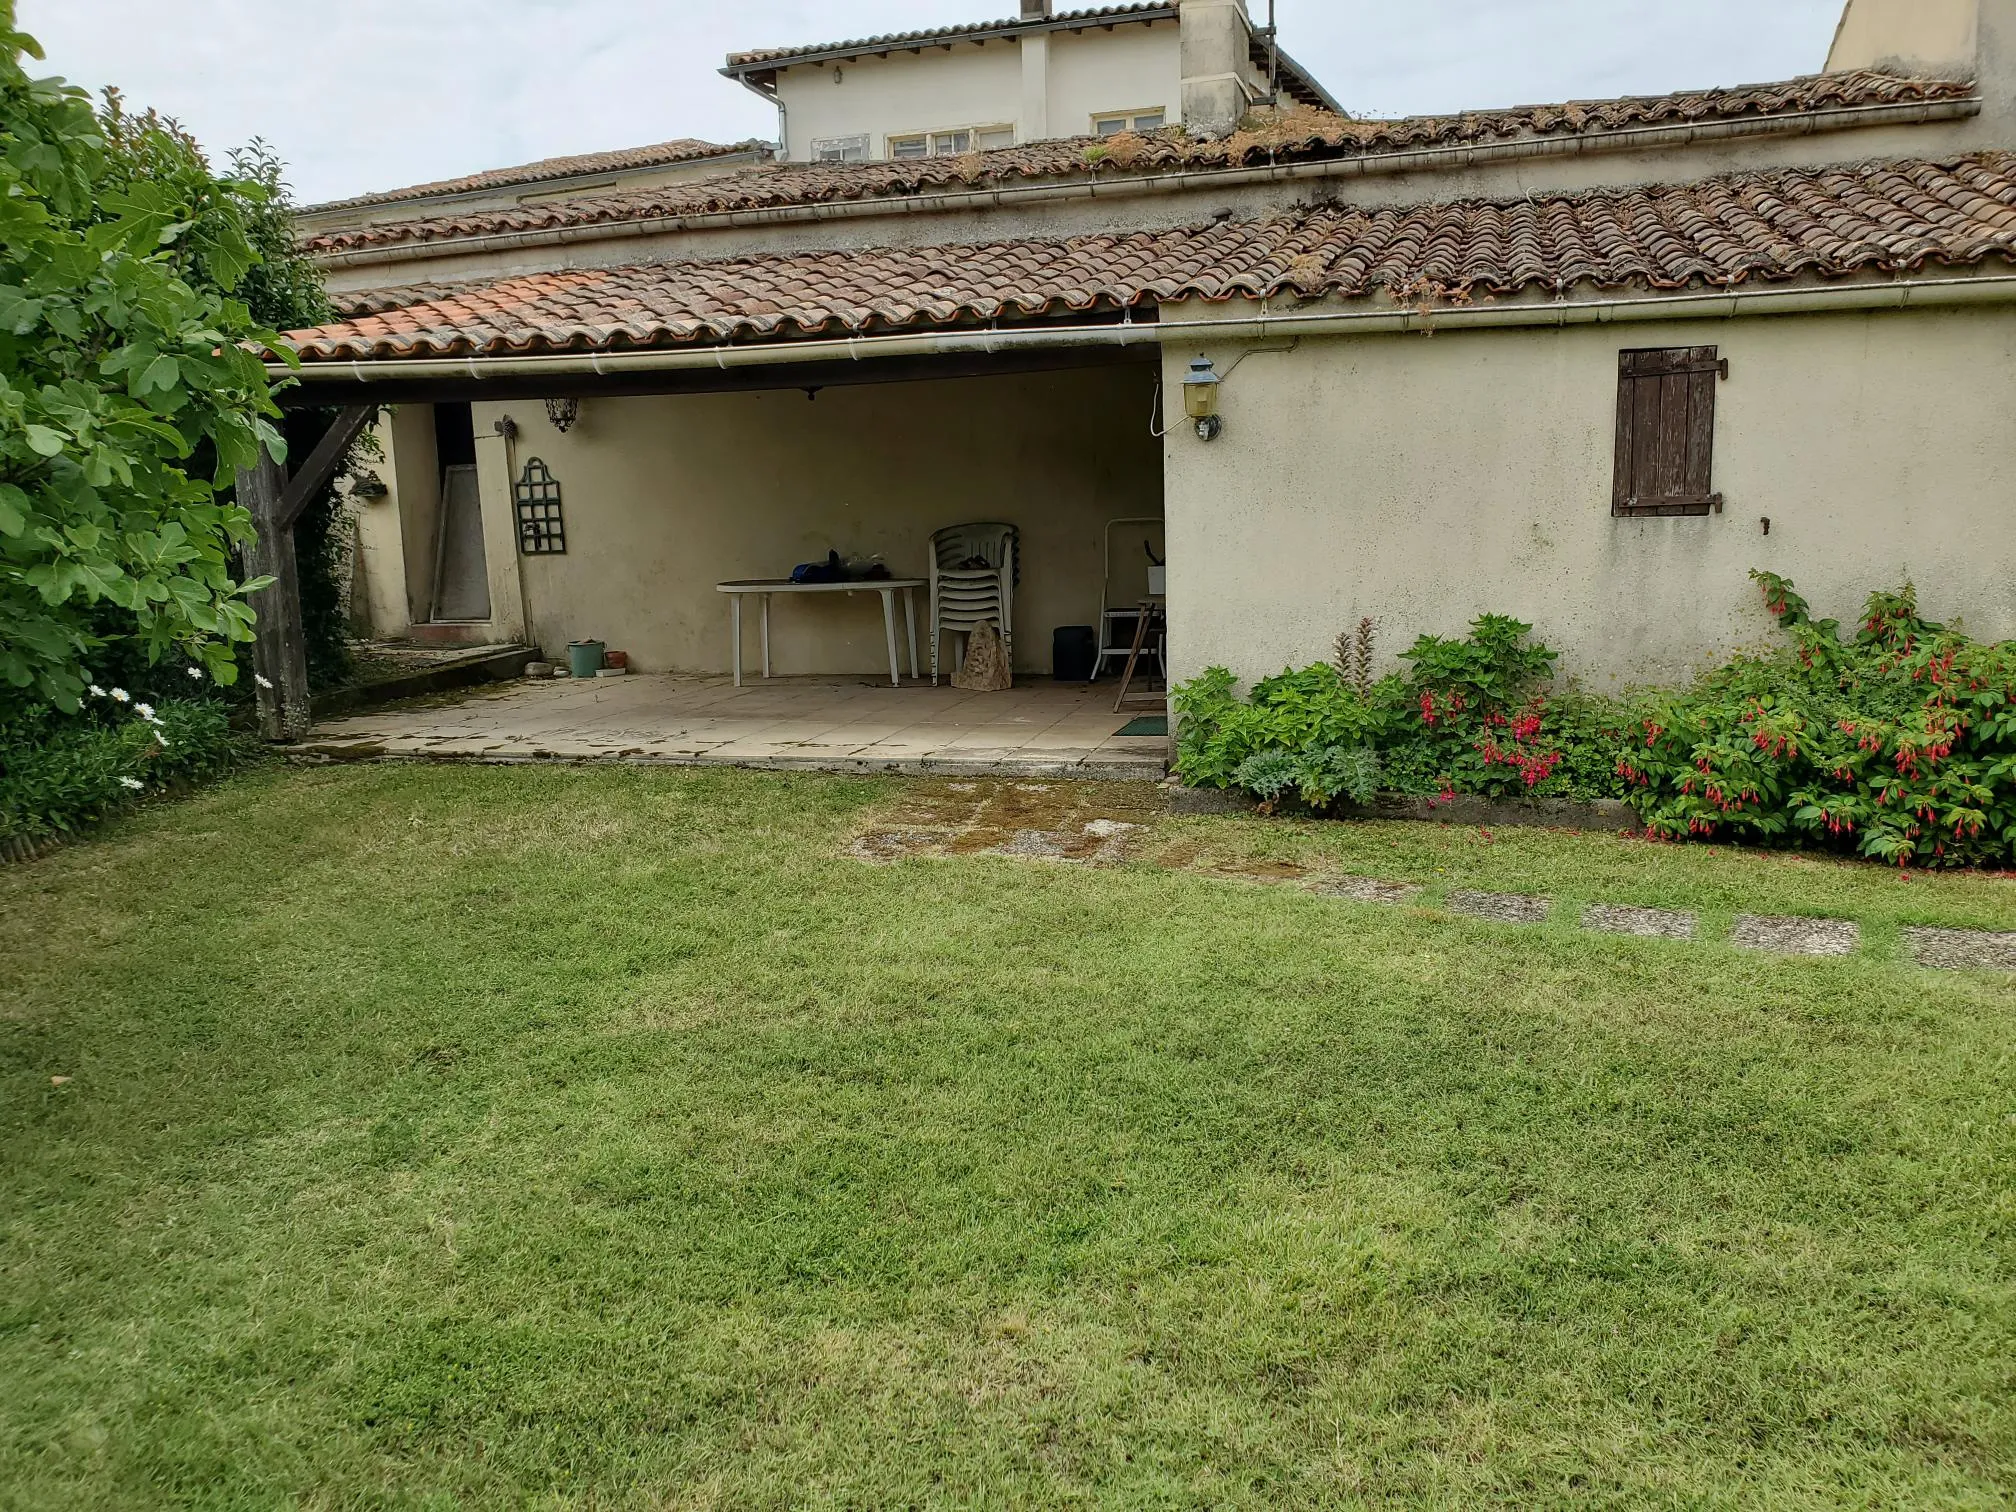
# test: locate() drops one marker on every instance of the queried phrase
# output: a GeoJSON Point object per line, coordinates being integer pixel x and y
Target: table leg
{"type": "Point", "coordinates": [766, 637]}
{"type": "Point", "coordinates": [735, 619]}
{"type": "Point", "coordinates": [889, 633]}
{"type": "Point", "coordinates": [910, 624]}
{"type": "Point", "coordinates": [1133, 660]}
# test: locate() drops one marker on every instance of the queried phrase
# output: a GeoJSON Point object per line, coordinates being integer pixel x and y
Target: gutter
{"type": "Point", "coordinates": [1937, 293]}
{"type": "Point", "coordinates": [1413, 160]}
{"type": "Point", "coordinates": [882, 47]}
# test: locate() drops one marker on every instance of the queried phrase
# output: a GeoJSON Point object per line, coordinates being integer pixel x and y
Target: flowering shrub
{"type": "Point", "coordinates": [1899, 742]}
{"type": "Point", "coordinates": [1468, 717]}
{"type": "Point", "coordinates": [60, 773]}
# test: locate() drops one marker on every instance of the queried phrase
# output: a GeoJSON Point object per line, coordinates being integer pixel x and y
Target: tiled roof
{"type": "Point", "coordinates": [1880, 219]}
{"type": "Point", "coordinates": [784, 56]}
{"type": "Point", "coordinates": [1301, 135]}
{"type": "Point", "coordinates": [658, 155]}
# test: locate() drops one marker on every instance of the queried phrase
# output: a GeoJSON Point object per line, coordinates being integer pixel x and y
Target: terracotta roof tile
{"type": "Point", "coordinates": [1888, 218]}
{"type": "Point", "coordinates": [1300, 135]}
{"type": "Point", "coordinates": [658, 155]}
{"type": "Point", "coordinates": [739, 61]}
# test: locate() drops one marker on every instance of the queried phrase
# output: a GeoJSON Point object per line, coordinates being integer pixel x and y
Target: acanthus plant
{"type": "Point", "coordinates": [1899, 742]}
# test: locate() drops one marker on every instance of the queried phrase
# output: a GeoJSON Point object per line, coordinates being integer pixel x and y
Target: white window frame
{"type": "Point", "coordinates": [1129, 120]}
{"type": "Point", "coordinates": [941, 143]}
{"type": "Point", "coordinates": [861, 146]}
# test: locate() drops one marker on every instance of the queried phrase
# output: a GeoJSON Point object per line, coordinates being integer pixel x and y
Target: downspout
{"type": "Point", "coordinates": [1939, 293]}
{"type": "Point", "coordinates": [783, 114]}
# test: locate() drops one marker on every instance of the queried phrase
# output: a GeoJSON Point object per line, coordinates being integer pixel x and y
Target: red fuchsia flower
{"type": "Point", "coordinates": [1526, 728]}
{"type": "Point", "coordinates": [1428, 708]}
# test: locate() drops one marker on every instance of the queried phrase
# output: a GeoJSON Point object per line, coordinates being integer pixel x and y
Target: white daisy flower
{"type": "Point", "coordinates": [132, 782]}
{"type": "Point", "coordinates": [194, 672]}
{"type": "Point", "coordinates": [145, 711]}
{"type": "Point", "coordinates": [120, 695]}
{"type": "Point", "coordinates": [96, 691]}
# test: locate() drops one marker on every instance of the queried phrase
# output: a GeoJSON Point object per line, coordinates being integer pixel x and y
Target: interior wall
{"type": "Point", "coordinates": [1427, 480]}
{"type": "Point", "coordinates": [664, 497]}
{"type": "Point", "coordinates": [416, 488]}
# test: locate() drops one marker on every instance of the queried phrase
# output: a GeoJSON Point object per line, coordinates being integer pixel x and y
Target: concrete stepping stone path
{"type": "Point", "coordinates": [1368, 890]}
{"type": "Point", "coordinates": [1646, 923]}
{"type": "Point", "coordinates": [1806, 937]}
{"type": "Point", "coordinates": [1500, 908]}
{"type": "Point", "coordinates": [1962, 949]}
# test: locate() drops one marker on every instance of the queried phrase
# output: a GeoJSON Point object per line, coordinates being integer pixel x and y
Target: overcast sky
{"type": "Point", "coordinates": [360, 95]}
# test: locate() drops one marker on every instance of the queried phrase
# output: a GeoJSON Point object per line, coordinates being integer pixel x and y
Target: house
{"type": "Point", "coordinates": [1587, 364]}
{"type": "Point", "coordinates": [943, 93]}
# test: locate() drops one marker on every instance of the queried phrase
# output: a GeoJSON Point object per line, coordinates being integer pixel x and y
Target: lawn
{"type": "Point", "coordinates": [441, 1137]}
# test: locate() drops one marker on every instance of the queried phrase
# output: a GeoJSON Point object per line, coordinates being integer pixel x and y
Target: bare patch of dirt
{"type": "Point", "coordinates": [1093, 822]}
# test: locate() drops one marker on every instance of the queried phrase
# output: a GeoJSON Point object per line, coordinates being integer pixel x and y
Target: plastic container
{"type": "Point", "coordinates": [1074, 652]}
{"type": "Point", "coordinates": [584, 658]}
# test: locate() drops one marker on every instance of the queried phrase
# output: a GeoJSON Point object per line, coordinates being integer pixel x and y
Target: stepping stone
{"type": "Point", "coordinates": [1368, 890]}
{"type": "Point", "coordinates": [1044, 843]}
{"type": "Point", "coordinates": [1500, 908]}
{"type": "Point", "coordinates": [1962, 949]}
{"type": "Point", "coordinates": [1806, 937]}
{"type": "Point", "coordinates": [1647, 923]}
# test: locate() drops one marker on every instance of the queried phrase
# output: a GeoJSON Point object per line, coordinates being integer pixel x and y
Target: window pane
{"type": "Point", "coordinates": [951, 143]}
{"type": "Point", "coordinates": [1110, 125]}
{"type": "Point", "coordinates": [989, 140]}
{"type": "Point", "coordinates": [1152, 121]}
{"type": "Point", "coordinates": [906, 147]}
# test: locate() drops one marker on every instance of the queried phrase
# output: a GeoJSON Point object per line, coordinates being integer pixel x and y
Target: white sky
{"type": "Point", "coordinates": [360, 95]}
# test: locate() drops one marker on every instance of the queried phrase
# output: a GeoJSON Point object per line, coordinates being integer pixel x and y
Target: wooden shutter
{"type": "Point", "coordinates": [1666, 432]}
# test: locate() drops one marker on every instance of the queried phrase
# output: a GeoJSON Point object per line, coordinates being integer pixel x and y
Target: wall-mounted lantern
{"type": "Point", "coordinates": [563, 413]}
{"type": "Point", "coordinates": [1200, 398]}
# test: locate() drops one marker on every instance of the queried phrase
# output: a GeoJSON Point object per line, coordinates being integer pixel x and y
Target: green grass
{"type": "Point", "coordinates": [451, 1137]}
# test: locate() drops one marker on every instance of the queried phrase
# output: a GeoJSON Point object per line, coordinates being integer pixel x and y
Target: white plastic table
{"type": "Point", "coordinates": [763, 588]}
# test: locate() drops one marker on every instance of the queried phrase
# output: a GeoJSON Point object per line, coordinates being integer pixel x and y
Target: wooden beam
{"type": "Point", "coordinates": [280, 644]}
{"type": "Point", "coordinates": [313, 475]}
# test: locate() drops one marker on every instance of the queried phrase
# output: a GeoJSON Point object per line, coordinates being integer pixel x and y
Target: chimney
{"type": "Point", "coordinates": [1220, 81]}
{"type": "Point", "coordinates": [1035, 10]}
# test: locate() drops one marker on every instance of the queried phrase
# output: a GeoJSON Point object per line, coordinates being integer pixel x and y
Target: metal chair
{"type": "Point", "coordinates": [973, 573]}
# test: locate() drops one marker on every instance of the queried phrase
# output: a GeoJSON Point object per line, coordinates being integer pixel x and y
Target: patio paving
{"type": "Point", "coordinates": [840, 724]}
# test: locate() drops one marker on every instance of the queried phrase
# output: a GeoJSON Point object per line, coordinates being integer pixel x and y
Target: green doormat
{"type": "Point", "coordinates": [1147, 724]}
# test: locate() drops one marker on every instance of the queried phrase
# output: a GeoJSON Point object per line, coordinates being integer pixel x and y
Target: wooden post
{"type": "Point", "coordinates": [280, 646]}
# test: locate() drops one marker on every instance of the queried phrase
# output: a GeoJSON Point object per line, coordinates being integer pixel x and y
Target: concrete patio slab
{"type": "Point", "coordinates": [843, 724]}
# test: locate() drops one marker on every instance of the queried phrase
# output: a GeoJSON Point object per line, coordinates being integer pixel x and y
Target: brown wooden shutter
{"type": "Point", "coordinates": [1666, 432]}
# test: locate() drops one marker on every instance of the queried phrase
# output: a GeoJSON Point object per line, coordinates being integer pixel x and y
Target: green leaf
{"type": "Point", "coordinates": [162, 373]}
{"type": "Point", "coordinates": [45, 442]}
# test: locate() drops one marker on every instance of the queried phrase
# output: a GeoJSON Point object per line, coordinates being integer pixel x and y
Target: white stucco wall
{"type": "Point", "coordinates": [901, 94]}
{"type": "Point", "coordinates": [1132, 67]}
{"type": "Point", "coordinates": [1100, 73]}
{"type": "Point", "coordinates": [1935, 37]}
{"type": "Point", "coordinates": [1426, 480]}
{"type": "Point", "coordinates": [666, 496]}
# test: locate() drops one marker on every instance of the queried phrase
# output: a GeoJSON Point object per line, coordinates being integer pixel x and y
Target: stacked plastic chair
{"type": "Point", "coordinates": [973, 573]}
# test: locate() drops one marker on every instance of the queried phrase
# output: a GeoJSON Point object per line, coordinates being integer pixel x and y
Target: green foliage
{"type": "Point", "coordinates": [60, 773]}
{"type": "Point", "coordinates": [128, 391]}
{"type": "Point", "coordinates": [1899, 743]}
{"type": "Point", "coordinates": [1466, 717]}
